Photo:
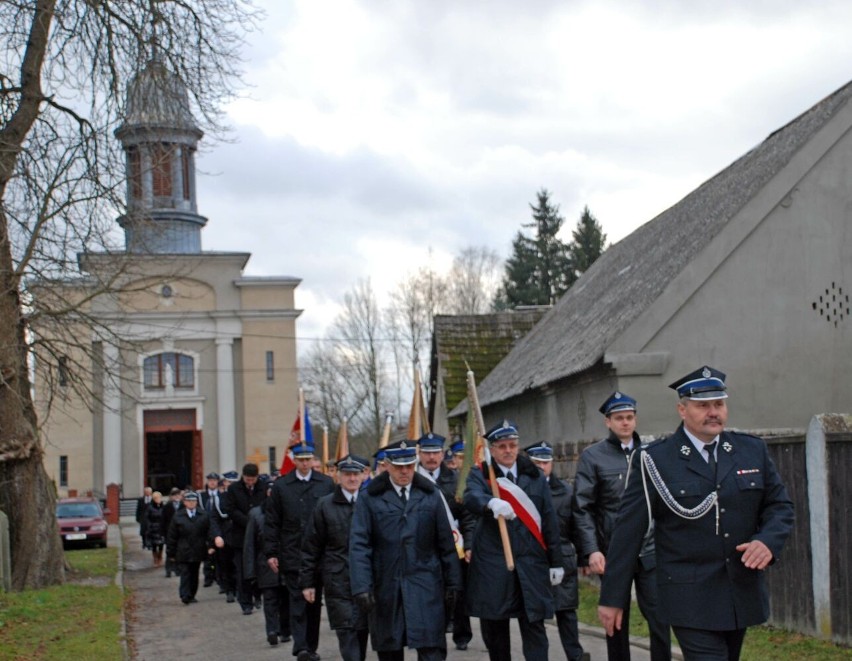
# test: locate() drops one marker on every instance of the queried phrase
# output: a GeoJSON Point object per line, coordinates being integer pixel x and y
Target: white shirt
{"type": "Point", "coordinates": [513, 470]}
{"type": "Point", "coordinates": [398, 489]}
{"type": "Point", "coordinates": [701, 446]}
{"type": "Point", "coordinates": [429, 474]}
{"type": "Point", "coordinates": [304, 478]}
{"type": "Point", "coordinates": [350, 497]}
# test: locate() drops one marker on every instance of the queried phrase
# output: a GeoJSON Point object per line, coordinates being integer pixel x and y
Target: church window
{"type": "Point", "coordinates": [161, 170]}
{"type": "Point", "coordinates": [270, 366]}
{"type": "Point", "coordinates": [175, 369]}
{"type": "Point", "coordinates": [185, 156]}
{"type": "Point", "coordinates": [63, 470]}
{"type": "Point", "coordinates": [134, 172]}
{"type": "Point", "coordinates": [62, 368]}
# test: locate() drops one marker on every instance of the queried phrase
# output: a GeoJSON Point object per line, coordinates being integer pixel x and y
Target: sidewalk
{"type": "Point", "coordinates": [160, 627]}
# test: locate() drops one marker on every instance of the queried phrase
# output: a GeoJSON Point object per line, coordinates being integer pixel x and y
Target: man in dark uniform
{"type": "Point", "coordinates": [169, 509]}
{"type": "Point", "coordinates": [325, 552]}
{"type": "Point", "coordinates": [245, 493]}
{"type": "Point", "coordinates": [209, 502]}
{"type": "Point", "coordinates": [566, 594]}
{"type": "Point", "coordinates": [431, 466]}
{"type": "Point", "coordinates": [189, 538]}
{"type": "Point", "coordinates": [721, 516]}
{"type": "Point", "coordinates": [496, 594]}
{"type": "Point", "coordinates": [226, 575]}
{"type": "Point", "coordinates": [598, 487]}
{"type": "Point", "coordinates": [403, 560]}
{"type": "Point", "coordinates": [291, 505]}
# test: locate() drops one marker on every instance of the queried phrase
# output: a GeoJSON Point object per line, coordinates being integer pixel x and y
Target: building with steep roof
{"type": "Point", "coordinates": [193, 362]}
{"type": "Point", "coordinates": [748, 273]}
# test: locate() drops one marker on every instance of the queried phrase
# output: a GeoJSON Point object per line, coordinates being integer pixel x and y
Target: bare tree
{"type": "Point", "coordinates": [474, 280]}
{"type": "Point", "coordinates": [63, 69]}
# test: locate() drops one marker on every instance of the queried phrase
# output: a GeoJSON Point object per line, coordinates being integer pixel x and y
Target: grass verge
{"type": "Point", "coordinates": [71, 621]}
{"type": "Point", "coordinates": [761, 643]}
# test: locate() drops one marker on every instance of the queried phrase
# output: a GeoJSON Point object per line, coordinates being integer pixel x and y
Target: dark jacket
{"type": "Point", "coordinates": [169, 511]}
{"type": "Point", "coordinates": [493, 592]}
{"type": "Point", "coordinates": [325, 559]}
{"type": "Point", "coordinates": [237, 505]}
{"type": "Point", "coordinates": [141, 506]}
{"type": "Point", "coordinates": [153, 520]}
{"type": "Point", "coordinates": [290, 507]}
{"type": "Point", "coordinates": [404, 554]}
{"type": "Point", "coordinates": [598, 487]}
{"type": "Point", "coordinates": [255, 567]}
{"type": "Point", "coordinates": [188, 539]}
{"type": "Point", "coordinates": [566, 594]}
{"type": "Point", "coordinates": [701, 579]}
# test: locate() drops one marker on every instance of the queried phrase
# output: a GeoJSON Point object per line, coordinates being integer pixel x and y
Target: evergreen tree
{"type": "Point", "coordinates": [539, 270]}
{"type": "Point", "coordinates": [588, 243]}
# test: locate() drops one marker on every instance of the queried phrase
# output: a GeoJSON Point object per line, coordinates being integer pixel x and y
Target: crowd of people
{"type": "Point", "coordinates": [691, 521]}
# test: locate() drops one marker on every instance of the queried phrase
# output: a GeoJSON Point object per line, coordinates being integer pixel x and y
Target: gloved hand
{"type": "Point", "coordinates": [501, 508]}
{"type": "Point", "coordinates": [556, 575]}
{"type": "Point", "coordinates": [364, 601]}
{"type": "Point", "coordinates": [450, 598]}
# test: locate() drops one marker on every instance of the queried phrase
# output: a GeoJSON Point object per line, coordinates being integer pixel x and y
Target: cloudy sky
{"type": "Point", "coordinates": [375, 135]}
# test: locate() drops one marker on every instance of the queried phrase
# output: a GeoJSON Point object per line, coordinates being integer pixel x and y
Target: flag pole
{"type": "Point", "coordinates": [325, 449]}
{"type": "Point", "coordinates": [302, 415]}
{"type": "Point", "coordinates": [474, 410]}
{"type": "Point", "coordinates": [383, 441]}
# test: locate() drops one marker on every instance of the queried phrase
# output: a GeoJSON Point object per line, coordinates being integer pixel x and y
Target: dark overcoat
{"type": "Point", "coordinates": [288, 511]}
{"type": "Point", "coordinates": [325, 559]}
{"type": "Point", "coordinates": [255, 567]}
{"type": "Point", "coordinates": [236, 505]}
{"type": "Point", "coordinates": [702, 582]}
{"type": "Point", "coordinates": [154, 526]}
{"type": "Point", "coordinates": [405, 556]}
{"type": "Point", "coordinates": [566, 594]}
{"type": "Point", "coordinates": [493, 592]}
{"type": "Point", "coordinates": [188, 539]}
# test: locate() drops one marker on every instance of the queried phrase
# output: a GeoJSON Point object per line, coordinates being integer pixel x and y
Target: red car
{"type": "Point", "coordinates": [81, 521]}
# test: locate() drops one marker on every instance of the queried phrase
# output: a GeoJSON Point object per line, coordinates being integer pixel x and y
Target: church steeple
{"type": "Point", "coordinates": [159, 137]}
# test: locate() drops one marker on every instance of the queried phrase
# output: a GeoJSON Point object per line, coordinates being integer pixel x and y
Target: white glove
{"type": "Point", "coordinates": [556, 575]}
{"type": "Point", "coordinates": [501, 508]}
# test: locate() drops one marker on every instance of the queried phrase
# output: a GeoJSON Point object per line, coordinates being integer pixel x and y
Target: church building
{"type": "Point", "coordinates": [190, 364]}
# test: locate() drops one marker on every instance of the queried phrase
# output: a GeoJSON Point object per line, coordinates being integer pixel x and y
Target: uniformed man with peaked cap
{"type": "Point", "coordinates": [721, 516]}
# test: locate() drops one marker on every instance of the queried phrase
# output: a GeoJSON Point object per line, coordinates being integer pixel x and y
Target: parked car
{"type": "Point", "coordinates": [81, 521]}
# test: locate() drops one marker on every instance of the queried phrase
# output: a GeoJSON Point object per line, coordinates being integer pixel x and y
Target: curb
{"type": "Point", "coordinates": [119, 581]}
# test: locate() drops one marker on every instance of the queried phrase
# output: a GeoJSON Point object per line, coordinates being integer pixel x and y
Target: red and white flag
{"type": "Point", "coordinates": [295, 439]}
{"type": "Point", "coordinates": [524, 508]}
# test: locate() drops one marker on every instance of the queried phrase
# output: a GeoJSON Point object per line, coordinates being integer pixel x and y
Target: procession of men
{"type": "Point", "coordinates": [402, 556]}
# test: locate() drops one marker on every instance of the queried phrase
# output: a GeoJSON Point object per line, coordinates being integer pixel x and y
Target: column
{"type": "Point", "coordinates": [112, 416]}
{"type": "Point", "coordinates": [226, 416]}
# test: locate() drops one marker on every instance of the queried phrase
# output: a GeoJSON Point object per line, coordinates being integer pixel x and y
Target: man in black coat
{"type": "Point", "coordinates": [598, 486]}
{"type": "Point", "coordinates": [189, 538]}
{"type": "Point", "coordinates": [245, 493]}
{"type": "Point", "coordinates": [290, 507]}
{"type": "Point", "coordinates": [496, 594]}
{"type": "Point", "coordinates": [209, 503]}
{"type": "Point", "coordinates": [325, 553]}
{"type": "Point", "coordinates": [141, 506]}
{"type": "Point", "coordinates": [404, 567]}
{"type": "Point", "coordinates": [172, 506]}
{"type": "Point", "coordinates": [431, 466]}
{"type": "Point", "coordinates": [721, 516]}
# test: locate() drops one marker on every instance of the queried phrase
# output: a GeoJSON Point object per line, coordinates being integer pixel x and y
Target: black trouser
{"type": "Point", "coordinates": [304, 617]}
{"type": "Point", "coordinates": [618, 645]}
{"type": "Point", "coordinates": [225, 575]}
{"type": "Point", "coordinates": [495, 633]}
{"type": "Point", "coordinates": [188, 580]}
{"type": "Point", "coordinates": [276, 610]}
{"type": "Point", "coordinates": [461, 619]}
{"type": "Point", "coordinates": [704, 645]}
{"type": "Point", "coordinates": [245, 589]}
{"type": "Point", "coordinates": [423, 654]}
{"type": "Point", "coordinates": [569, 635]}
{"type": "Point", "coordinates": [210, 563]}
{"type": "Point", "coordinates": [352, 644]}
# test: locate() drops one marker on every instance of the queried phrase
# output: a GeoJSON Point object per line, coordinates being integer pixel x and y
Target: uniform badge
{"type": "Point", "coordinates": [616, 395]}
{"type": "Point", "coordinates": [727, 447]}
{"type": "Point", "coordinates": [544, 444]}
{"type": "Point", "coordinates": [706, 373]}
{"type": "Point", "coordinates": [403, 446]}
{"type": "Point", "coordinates": [685, 450]}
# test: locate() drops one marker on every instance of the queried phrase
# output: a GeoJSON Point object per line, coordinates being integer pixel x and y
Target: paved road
{"type": "Point", "coordinates": [160, 627]}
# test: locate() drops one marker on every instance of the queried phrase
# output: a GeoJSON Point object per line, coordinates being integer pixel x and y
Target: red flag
{"type": "Point", "coordinates": [295, 439]}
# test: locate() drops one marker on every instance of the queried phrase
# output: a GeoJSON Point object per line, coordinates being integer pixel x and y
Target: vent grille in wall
{"type": "Point", "coordinates": [833, 304]}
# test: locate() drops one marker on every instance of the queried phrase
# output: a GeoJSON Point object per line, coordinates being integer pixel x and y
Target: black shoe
{"type": "Point", "coordinates": [222, 590]}
{"type": "Point", "coordinates": [248, 611]}
{"type": "Point", "coordinates": [307, 655]}
{"type": "Point", "coordinates": [186, 601]}
{"type": "Point", "coordinates": [285, 637]}
{"type": "Point", "coordinates": [272, 638]}
{"type": "Point", "coordinates": [230, 598]}
{"type": "Point", "coordinates": [461, 646]}
{"type": "Point", "coordinates": [207, 584]}
{"type": "Point", "coordinates": [193, 600]}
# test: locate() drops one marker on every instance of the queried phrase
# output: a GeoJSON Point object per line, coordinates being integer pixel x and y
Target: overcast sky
{"type": "Point", "coordinates": [370, 131]}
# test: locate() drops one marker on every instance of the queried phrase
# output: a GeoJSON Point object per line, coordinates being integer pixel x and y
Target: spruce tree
{"type": "Point", "coordinates": [588, 244]}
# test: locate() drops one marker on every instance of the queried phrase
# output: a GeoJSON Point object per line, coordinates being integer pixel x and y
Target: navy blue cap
{"type": "Point", "coordinates": [457, 447]}
{"type": "Point", "coordinates": [501, 432]}
{"type": "Point", "coordinates": [541, 451]}
{"type": "Point", "coordinates": [618, 401]}
{"type": "Point", "coordinates": [448, 454]}
{"type": "Point", "coordinates": [303, 450]}
{"type": "Point", "coordinates": [402, 452]}
{"type": "Point", "coordinates": [703, 383]}
{"type": "Point", "coordinates": [233, 476]}
{"type": "Point", "coordinates": [190, 495]}
{"type": "Point", "coordinates": [352, 463]}
{"type": "Point", "coordinates": [431, 443]}
{"type": "Point", "coordinates": [212, 476]}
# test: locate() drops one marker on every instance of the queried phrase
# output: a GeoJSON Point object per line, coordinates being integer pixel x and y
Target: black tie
{"type": "Point", "coordinates": [402, 495]}
{"type": "Point", "coordinates": [711, 447]}
{"type": "Point", "coordinates": [511, 477]}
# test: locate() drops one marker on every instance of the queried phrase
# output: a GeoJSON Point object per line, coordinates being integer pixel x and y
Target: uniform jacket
{"type": "Point", "coordinates": [598, 487]}
{"type": "Point", "coordinates": [492, 591]}
{"type": "Point", "coordinates": [447, 482]}
{"type": "Point", "coordinates": [325, 559]}
{"type": "Point", "coordinates": [188, 539]}
{"type": "Point", "coordinates": [702, 581]}
{"type": "Point", "coordinates": [565, 593]}
{"type": "Point", "coordinates": [405, 556]}
{"type": "Point", "coordinates": [292, 502]}
{"type": "Point", "coordinates": [169, 511]}
{"type": "Point", "coordinates": [255, 566]}
{"type": "Point", "coordinates": [237, 505]}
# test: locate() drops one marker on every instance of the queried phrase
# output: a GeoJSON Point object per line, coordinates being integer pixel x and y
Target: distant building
{"type": "Point", "coordinates": [749, 273]}
{"type": "Point", "coordinates": [203, 376]}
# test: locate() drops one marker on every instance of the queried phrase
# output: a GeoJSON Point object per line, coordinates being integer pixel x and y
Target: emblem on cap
{"type": "Point", "coordinates": [684, 450]}
{"type": "Point", "coordinates": [544, 444]}
{"type": "Point", "coordinates": [706, 373]}
{"type": "Point", "coordinates": [617, 395]}
{"type": "Point", "coordinates": [402, 445]}
{"type": "Point", "coordinates": [727, 447]}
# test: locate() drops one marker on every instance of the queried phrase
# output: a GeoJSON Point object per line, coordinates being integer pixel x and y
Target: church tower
{"type": "Point", "coordinates": [160, 137]}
